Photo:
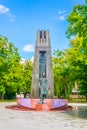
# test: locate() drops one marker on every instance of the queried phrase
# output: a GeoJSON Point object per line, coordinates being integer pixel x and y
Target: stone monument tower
{"type": "Point", "coordinates": [42, 64]}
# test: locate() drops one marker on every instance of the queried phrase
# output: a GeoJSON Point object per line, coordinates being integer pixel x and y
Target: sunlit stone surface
{"type": "Point", "coordinates": [33, 120]}
{"type": "Point", "coordinates": [42, 64]}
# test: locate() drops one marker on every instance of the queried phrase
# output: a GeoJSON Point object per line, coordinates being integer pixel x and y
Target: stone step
{"type": "Point", "coordinates": [44, 107]}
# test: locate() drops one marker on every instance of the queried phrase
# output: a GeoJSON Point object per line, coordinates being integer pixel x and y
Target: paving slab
{"type": "Point", "coordinates": [33, 120]}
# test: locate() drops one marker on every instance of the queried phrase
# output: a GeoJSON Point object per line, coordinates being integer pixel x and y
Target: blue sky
{"type": "Point", "coordinates": [20, 20]}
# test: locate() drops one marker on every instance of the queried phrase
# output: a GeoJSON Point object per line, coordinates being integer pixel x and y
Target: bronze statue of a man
{"type": "Point", "coordinates": [43, 88]}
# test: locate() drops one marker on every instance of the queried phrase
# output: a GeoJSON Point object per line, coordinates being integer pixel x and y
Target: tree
{"type": "Point", "coordinates": [78, 45]}
{"type": "Point", "coordinates": [78, 22]}
{"type": "Point", "coordinates": [9, 61]}
{"type": "Point", "coordinates": [25, 78]}
{"type": "Point", "coordinates": [63, 77]}
{"type": "Point", "coordinates": [86, 1]}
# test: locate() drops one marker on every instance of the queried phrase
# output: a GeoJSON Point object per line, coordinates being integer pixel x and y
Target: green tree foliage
{"type": "Point", "coordinates": [78, 45]}
{"type": "Point", "coordinates": [78, 22]}
{"type": "Point", "coordinates": [15, 77]}
{"type": "Point", "coordinates": [9, 61]}
{"type": "Point", "coordinates": [62, 74]}
{"type": "Point", "coordinates": [70, 66]}
{"type": "Point", "coordinates": [24, 85]}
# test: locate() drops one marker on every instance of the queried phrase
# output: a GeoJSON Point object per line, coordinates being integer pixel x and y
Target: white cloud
{"type": "Point", "coordinates": [61, 15]}
{"type": "Point", "coordinates": [5, 10]}
{"type": "Point", "coordinates": [62, 18]}
{"type": "Point", "coordinates": [11, 16]}
{"type": "Point", "coordinates": [28, 48]}
{"type": "Point", "coordinates": [62, 12]}
{"type": "Point", "coordinates": [32, 59]}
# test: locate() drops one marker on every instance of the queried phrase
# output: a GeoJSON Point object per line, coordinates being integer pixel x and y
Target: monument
{"type": "Point", "coordinates": [42, 64]}
{"type": "Point", "coordinates": [42, 78]}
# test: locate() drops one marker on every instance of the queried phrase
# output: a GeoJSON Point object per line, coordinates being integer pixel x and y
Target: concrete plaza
{"type": "Point", "coordinates": [32, 120]}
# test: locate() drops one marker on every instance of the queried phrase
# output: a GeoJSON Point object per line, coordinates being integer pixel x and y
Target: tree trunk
{"type": "Point", "coordinates": [65, 87]}
{"type": "Point", "coordinates": [86, 98]}
{"type": "Point", "coordinates": [2, 97]}
{"type": "Point", "coordinates": [24, 95]}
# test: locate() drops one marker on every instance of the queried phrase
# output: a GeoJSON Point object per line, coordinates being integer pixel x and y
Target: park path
{"type": "Point", "coordinates": [32, 120]}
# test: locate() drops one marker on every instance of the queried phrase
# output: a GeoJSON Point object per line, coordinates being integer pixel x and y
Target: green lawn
{"type": "Point", "coordinates": [13, 100]}
{"type": "Point", "coordinates": [73, 100]}
{"type": "Point", "coordinates": [78, 100]}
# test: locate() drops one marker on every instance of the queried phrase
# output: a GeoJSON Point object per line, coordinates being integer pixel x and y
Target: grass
{"type": "Point", "coordinates": [77, 100]}
{"type": "Point", "coordinates": [73, 100]}
{"type": "Point", "coordinates": [13, 100]}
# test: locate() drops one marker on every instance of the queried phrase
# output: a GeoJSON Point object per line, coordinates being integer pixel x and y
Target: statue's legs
{"type": "Point", "coordinates": [42, 97]}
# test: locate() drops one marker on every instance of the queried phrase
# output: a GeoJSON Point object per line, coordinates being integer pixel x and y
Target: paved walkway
{"type": "Point", "coordinates": [77, 104]}
{"type": "Point", "coordinates": [31, 120]}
